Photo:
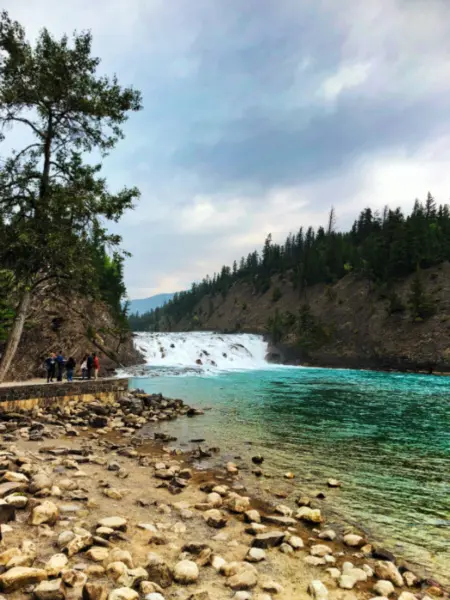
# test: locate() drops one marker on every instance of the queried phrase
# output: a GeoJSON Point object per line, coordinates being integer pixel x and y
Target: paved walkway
{"type": "Point", "coordinates": [44, 381]}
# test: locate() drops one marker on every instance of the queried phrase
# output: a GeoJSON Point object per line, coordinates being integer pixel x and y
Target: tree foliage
{"type": "Point", "coordinates": [54, 203]}
{"type": "Point", "coordinates": [382, 247]}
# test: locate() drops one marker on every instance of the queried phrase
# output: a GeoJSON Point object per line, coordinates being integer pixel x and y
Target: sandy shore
{"type": "Point", "coordinates": [83, 467]}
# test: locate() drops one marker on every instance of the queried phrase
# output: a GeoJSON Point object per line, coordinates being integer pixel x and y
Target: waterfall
{"type": "Point", "coordinates": [205, 351]}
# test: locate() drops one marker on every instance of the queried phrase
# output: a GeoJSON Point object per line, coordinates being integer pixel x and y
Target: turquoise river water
{"type": "Point", "coordinates": [386, 436]}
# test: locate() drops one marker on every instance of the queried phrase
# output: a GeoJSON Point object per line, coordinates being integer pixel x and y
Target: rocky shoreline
{"type": "Point", "coordinates": [91, 510]}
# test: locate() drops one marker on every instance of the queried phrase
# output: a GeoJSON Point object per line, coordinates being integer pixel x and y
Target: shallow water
{"type": "Point", "coordinates": [386, 436]}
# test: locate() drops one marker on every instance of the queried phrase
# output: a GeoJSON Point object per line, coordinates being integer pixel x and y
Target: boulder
{"type": "Point", "coordinates": [78, 543]}
{"type": "Point", "coordinates": [124, 593]}
{"type": "Point", "coordinates": [334, 483]}
{"type": "Point", "coordinates": [16, 501]}
{"type": "Point", "coordinates": [318, 590]}
{"type": "Point", "coordinates": [39, 482]}
{"type": "Point", "coordinates": [97, 553]}
{"type": "Point", "coordinates": [295, 542]}
{"type": "Point", "coordinates": [320, 550]}
{"type": "Point", "coordinates": [384, 588]}
{"type": "Point", "coordinates": [50, 590]}
{"type": "Point", "coordinates": [268, 540]}
{"type": "Point", "coordinates": [116, 523]}
{"type": "Point", "coordinates": [238, 504]}
{"type": "Point", "coordinates": [309, 514]}
{"type": "Point", "coordinates": [410, 578]}
{"type": "Point", "coordinates": [327, 534]}
{"type": "Point", "coordinates": [9, 487]}
{"type": "Point", "coordinates": [20, 577]}
{"type": "Point", "coordinates": [56, 564]}
{"type": "Point", "coordinates": [407, 596]}
{"type": "Point", "coordinates": [255, 555]}
{"type": "Point", "coordinates": [123, 556]}
{"type": "Point", "coordinates": [243, 579]}
{"type": "Point", "coordinates": [215, 518]}
{"type": "Point", "coordinates": [158, 571]}
{"type": "Point", "coordinates": [354, 540]}
{"type": "Point", "coordinates": [185, 572]}
{"type": "Point", "coordinates": [95, 591]}
{"type": "Point", "coordinates": [47, 512]}
{"type": "Point", "coordinates": [387, 570]}
{"type": "Point", "coordinates": [118, 571]}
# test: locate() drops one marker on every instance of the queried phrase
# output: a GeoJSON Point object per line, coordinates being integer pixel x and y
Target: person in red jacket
{"type": "Point", "coordinates": [96, 365]}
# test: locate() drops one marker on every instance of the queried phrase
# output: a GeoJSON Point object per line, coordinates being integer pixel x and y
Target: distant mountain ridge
{"type": "Point", "coordinates": [144, 305]}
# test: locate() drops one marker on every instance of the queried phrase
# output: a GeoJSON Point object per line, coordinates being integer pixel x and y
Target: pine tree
{"type": "Point", "coordinates": [52, 198]}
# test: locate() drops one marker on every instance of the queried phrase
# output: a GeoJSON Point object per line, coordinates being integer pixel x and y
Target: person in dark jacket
{"type": "Point", "coordinates": [50, 365]}
{"type": "Point", "coordinates": [60, 365]}
{"type": "Point", "coordinates": [90, 365]}
{"type": "Point", "coordinates": [70, 366]}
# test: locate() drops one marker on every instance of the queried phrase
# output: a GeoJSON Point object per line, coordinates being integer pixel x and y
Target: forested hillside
{"type": "Point", "coordinates": [388, 272]}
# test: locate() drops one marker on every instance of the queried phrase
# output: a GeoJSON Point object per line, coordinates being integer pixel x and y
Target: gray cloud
{"type": "Point", "coordinates": [260, 114]}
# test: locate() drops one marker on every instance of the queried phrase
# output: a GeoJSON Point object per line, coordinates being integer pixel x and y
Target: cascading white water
{"type": "Point", "coordinates": [203, 350]}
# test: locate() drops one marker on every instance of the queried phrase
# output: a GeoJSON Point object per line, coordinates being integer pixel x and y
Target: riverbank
{"type": "Point", "coordinates": [79, 465]}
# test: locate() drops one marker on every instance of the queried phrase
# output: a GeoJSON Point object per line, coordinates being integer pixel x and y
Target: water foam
{"type": "Point", "coordinates": [204, 351]}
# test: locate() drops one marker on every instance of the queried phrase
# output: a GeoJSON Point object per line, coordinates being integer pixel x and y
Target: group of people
{"type": "Point", "coordinates": [55, 365]}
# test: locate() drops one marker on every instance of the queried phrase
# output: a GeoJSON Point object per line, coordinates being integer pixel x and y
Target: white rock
{"type": "Point", "coordinates": [218, 562]}
{"type": "Point", "coordinates": [407, 596]}
{"type": "Point", "coordinates": [327, 534]}
{"type": "Point", "coordinates": [353, 540]}
{"type": "Point", "coordinates": [384, 588]}
{"type": "Point", "coordinates": [314, 561]}
{"type": "Point", "coordinates": [320, 550]}
{"type": "Point", "coordinates": [242, 596]}
{"type": "Point", "coordinates": [334, 572]}
{"type": "Point", "coordinates": [16, 500]}
{"type": "Point", "coordinates": [113, 522]}
{"type": "Point", "coordinates": [318, 590]}
{"type": "Point", "coordinates": [186, 571]}
{"type": "Point", "coordinates": [214, 499]}
{"type": "Point", "coordinates": [296, 542]}
{"type": "Point", "coordinates": [124, 593]}
{"type": "Point", "coordinates": [255, 555]}
{"type": "Point", "coordinates": [56, 564]}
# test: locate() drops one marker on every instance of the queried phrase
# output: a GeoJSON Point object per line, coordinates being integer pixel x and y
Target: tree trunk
{"type": "Point", "coordinates": [15, 334]}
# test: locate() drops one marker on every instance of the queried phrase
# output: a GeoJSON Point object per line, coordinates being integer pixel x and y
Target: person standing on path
{"type": "Point", "coordinates": [84, 367]}
{"type": "Point", "coordinates": [60, 365]}
{"type": "Point", "coordinates": [70, 366]}
{"type": "Point", "coordinates": [50, 365]}
{"type": "Point", "coordinates": [89, 365]}
{"type": "Point", "coordinates": [96, 363]}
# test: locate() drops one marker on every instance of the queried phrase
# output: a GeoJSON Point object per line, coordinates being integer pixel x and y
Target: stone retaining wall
{"type": "Point", "coordinates": [26, 397]}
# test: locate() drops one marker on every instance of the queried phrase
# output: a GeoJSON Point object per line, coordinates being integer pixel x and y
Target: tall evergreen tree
{"type": "Point", "coordinates": [52, 198]}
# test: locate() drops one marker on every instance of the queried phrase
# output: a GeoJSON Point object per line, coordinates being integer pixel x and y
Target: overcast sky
{"type": "Point", "coordinates": [261, 114]}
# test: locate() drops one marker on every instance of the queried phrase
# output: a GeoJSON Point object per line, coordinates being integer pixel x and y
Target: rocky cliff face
{"type": "Point", "coordinates": [76, 326]}
{"type": "Point", "coordinates": [351, 323]}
